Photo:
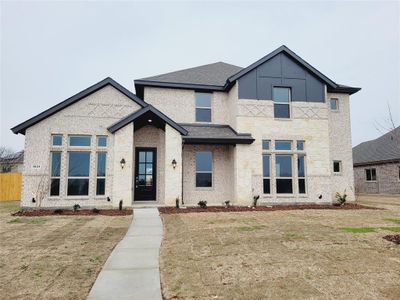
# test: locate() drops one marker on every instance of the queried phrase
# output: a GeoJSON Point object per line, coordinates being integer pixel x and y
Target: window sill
{"type": "Point", "coordinates": [283, 119]}
{"type": "Point", "coordinates": [286, 195]}
{"type": "Point", "coordinates": [337, 174]}
{"type": "Point", "coordinates": [371, 181]}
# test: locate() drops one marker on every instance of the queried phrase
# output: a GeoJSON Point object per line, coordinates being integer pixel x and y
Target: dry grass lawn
{"type": "Point", "coordinates": [55, 257]}
{"type": "Point", "coordinates": [281, 255]}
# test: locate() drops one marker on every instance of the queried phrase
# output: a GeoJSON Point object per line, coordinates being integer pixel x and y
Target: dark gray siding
{"type": "Point", "coordinates": [281, 70]}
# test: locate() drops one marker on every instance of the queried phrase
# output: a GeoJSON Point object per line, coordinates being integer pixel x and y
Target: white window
{"type": "Point", "coordinates": [281, 97]}
{"type": "Point", "coordinates": [370, 174]}
{"type": "Point", "coordinates": [283, 172]}
{"type": "Point", "coordinates": [101, 173]}
{"type": "Point", "coordinates": [56, 140]}
{"type": "Point", "coordinates": [101, 141]}
{"type": "Point", "coordinates": [301, 173]}
{"type": "Point", "coordinates": [337, 166]}
{"type": "Point", "coordinates": [80, 140]}
{"type": "Point", "coordinates": [55, 173]}
{"type": "Point", "coordinates": [266, 174]}
{"type": "Point", "coordinates": [78, 173]}
{"type": "Point", "coordinates": [266, 144]}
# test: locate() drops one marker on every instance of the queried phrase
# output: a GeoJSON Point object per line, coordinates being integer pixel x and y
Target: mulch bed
{"type": "Point", "coordinates": [395, 238]}
{"type": "Point", "coordinates": [69, 212]}
{"type": "Point", "coordinates": [174, 210]}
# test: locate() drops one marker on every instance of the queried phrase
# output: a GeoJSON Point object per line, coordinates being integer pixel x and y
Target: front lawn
{"type": "Point", "coordinates": [54, 257]}
{"type": "Point", "coordinates": [319, 254]}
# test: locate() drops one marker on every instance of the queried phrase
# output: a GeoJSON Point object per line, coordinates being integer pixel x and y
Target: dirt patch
{"type": "Point", "coordinates": [68, 212]}
{"type": "Point", "coordinates": [174, 210]}
{"type": "Point", "coordinates": [395, 238]}
{"type": "Point", "coordinates": [54, 257]}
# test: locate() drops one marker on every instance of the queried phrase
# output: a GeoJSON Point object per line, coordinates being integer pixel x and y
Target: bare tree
{"type": "Point", "coordinates": [388, 124]}
{"type": "Point", "coordinates": [7, 158]}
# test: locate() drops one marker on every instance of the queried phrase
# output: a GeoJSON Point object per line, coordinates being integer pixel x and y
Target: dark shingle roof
{"type": "Point", "coordinates": [214, 134]}
{"type": "Point", "coordinates": [214, 74]}
{"type": "Point", "coordinates": [384, 148]}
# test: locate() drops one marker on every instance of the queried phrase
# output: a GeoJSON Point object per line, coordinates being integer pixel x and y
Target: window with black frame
{"type": "Point", "coordinates": [281, 97]}
{"type": "Point", "coordinates": [78, 173]}
{"type": "Point", "coordinates": [284, 174]}
{"type": "Point", "coordinates": [55, 174]}
{"type": "Point", "coordinates": [370, 174]}
{"type": "Point", "coordinates": [101, 173]}
{"type": "Point", "coordinates": [203, 107]}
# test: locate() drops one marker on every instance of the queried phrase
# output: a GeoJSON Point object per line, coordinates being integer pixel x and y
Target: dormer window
{"type": "Point", "coordinates": [281, 97]}
{"type": "Point", "coordinates": [203, 107]}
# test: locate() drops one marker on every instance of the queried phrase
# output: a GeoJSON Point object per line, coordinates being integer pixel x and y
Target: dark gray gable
{"type": "Point", "coordinates": [90, 90]}
{"type": "Point", "coordinates": [281, 70]}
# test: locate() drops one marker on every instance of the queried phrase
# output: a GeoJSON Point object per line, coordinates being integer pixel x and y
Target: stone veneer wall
{"type": "Point", "coordinates": [150, 136]}
{"type": "Point", "coordinates": [387, 179]}
{"type": "Point", "coordinates": [222, 186]}
{"type": "Point", "coordinates": [179, 104]}
{"type": "Point", "coordinates": [90, 116]}
{"type": "Point", "coordinates": [340, 146]}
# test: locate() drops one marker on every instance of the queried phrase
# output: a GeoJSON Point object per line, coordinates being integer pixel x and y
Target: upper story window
{"type": "Point", "coordinates": [283, 145]}
{"type": "Point", "coordinates": [203, 107]}
{"type": "Point", "coordinates": [266, 144]}
{"type": "Point", "coordinates": [281, 97]}
{"type": "Point", "coordinates": [101, 141]}
{"type": "Point", "coordinates": [337, 166]}
{"type": "Point", "coordinates": [56, 140]}
{"type": "Point", "coordinates": [300, 145]}
{"type": "Point", "coordinates": [334, 104]}
{"type": "Point", "coordinates": [80, 140]}
{"type": "Point", "coordinates": [203, 169]}
{"type": "Point", "coordinates": [370, 174]}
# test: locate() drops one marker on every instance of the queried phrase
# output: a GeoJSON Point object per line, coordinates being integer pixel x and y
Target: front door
{"type": "Point", "coordinates": [145, 174]}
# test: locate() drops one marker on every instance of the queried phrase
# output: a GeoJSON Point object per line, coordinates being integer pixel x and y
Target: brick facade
{"type": "Point", "coordinates": [387, 179]}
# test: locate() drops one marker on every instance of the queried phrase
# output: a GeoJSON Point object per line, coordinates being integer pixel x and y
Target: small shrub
{"type": "Point", "coordinates": [58, 211]}
{"type": "Point", "coordinates": [177, 202]}
{"type": "Point", "coordinates": [255, 199]}
{"type": "Point", "coordinates": [96, 211]}
{"type": "Point", "coordinates": [202, 204]}
{"type": "Point", "coordinates": [341, 199]}
{"type": "Point", "coordinates": [76, 207]}
{"type": "Point", "coordinates": [227, 203]}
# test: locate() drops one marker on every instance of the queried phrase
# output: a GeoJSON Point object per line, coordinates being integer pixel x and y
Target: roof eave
{"type": "Point", "coordinates": [217, 141]}
{"type": "Point", "coordinates": [203, 87]}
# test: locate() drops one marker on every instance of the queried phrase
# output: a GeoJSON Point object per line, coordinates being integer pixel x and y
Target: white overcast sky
{"type": "Point", "coordinates": [52, 50]}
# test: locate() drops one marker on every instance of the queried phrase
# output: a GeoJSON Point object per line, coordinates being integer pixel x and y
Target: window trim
{"type": "Point", "coordinates": [204, 172]}
{"type": "Point", "coordinates": [203, 107]}
{"type": "Point", "coordinates": [340, 167]}
{"type": "Point", "coordinates": [279, 103]}
{"type": "Point", "coordinates": [337, 104]}
{"type": "Point", "coordinates": [76, 177]}
{"type": "Point", "coordinates": [366, 176]}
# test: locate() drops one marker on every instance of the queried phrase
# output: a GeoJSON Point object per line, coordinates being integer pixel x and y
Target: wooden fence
{"type": "Point", "coordinates": [10, 186]}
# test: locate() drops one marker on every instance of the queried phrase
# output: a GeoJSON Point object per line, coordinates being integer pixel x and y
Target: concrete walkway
{"type": "Point", "coordinates": [132, 270]}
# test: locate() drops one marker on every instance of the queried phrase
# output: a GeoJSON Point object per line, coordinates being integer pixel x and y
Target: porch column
{"type": "Point", "coordinates": [173, 177]}
{"type": "Point", "coordinates": [123, 177]}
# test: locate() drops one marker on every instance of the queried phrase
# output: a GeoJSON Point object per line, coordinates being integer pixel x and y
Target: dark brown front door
{"type": "Point", "coordinates": [145, 174]}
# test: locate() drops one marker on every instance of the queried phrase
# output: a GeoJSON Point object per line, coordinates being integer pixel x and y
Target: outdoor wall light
{"type": "Point", "coordinates": [122, 162]}
{"type": "Point", "coordinates": [150, 120]}
{"type": "Point", "coordinates": [174, 163]}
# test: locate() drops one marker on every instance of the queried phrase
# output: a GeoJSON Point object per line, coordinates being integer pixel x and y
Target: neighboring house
{"type": "Point", "coordinates": [377, 165]}
{"type": "Point", "coordinates": [278, 128]}
{"type": "Point", "coordinates": [12, 163]}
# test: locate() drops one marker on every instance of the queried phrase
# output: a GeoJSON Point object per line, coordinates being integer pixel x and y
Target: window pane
{"type": "Point", "coordinates": [300, 166]}
{"type": "Point", "coordinates": [266, 186]}
{"type": "Point", "coordinates": [300, 145]}
{"type": "Point", "coordinates": [57, 140]}
{"type": "Point", "coordinates": [280, 94]}
{"type": "Point", "coordinates": [283, 145]}
{"type": "Point", "coordinates": [55, 187]}
{"type": "Point", "coordinates": [368, 174]}
{"type": "Point", "coordinates": [102, 141]}
{"type": "Point", "coordinates": [142, 156]}
{"type": "Point", "coordinates": [142, 169]}
{"type": "Point", "coordinates": [283, 165]}
{"type": "Point", "coordinates": [373, 174]}
{"type": "Point", "coordinates": [281, 111]}
{"type": "Point", "coordinates": [302, 186]}
{"type": "Point", "coordinates": [55, 164]}
{"type": "Point", "coordinates": [149, 156]}
{"type": "Point", "coordinates": [78, 187]}
{"type": "Point", "coordinates": [203, 115]}
{"type": "Point", "coordinates": [79, 140]}
{"type": "Point", "coordinates": [204, 161]}
{"type": "Point", "coordinates": [284, 186]}
{"type": "Point", "coordinates": [149, 180]}
{"type": "Point", "coordinates": [142, 179]}
{"type": "Point", "coordinates": [266, 167]}
{"type": "Point", "coordinates": [101, 186]}
{"type": "Point", "coordinates": [78, 165]}
{"type": "Point", "coordinates": [265, 144]}
{"type": "Point", "coordinates": [203, 179]}
{"type": "Point", "coordinates": [203, 99]}
{"type": "Point", "coordinates": [336, 166]}
{"type": "Point", "coordinates": [149, 169]}
{"type": "Point", "coordinates": [101, 164]}
{"type": "Point", "coordinates": [334, 104]}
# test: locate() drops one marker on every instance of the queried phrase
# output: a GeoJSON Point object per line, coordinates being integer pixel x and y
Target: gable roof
{"type": "Point", "coordinates": [383, 149]}
{"type": "Point", "coordinates": [90, 90]}
{"type": "Point", "coordinates": [149, 108]}
{"type": "Point", "coordinates": [222, 76]}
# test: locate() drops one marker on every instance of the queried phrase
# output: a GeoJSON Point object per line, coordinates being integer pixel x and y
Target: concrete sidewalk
{"type": "Point", "coordinates": [132, 270]}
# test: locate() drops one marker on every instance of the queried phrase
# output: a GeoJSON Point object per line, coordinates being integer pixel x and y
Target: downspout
{"type": "Point", "coordinates": [183, 203]}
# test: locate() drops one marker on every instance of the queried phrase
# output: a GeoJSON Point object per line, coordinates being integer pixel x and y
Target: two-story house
{"type": "Point", "coordinates": [278, 128]}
